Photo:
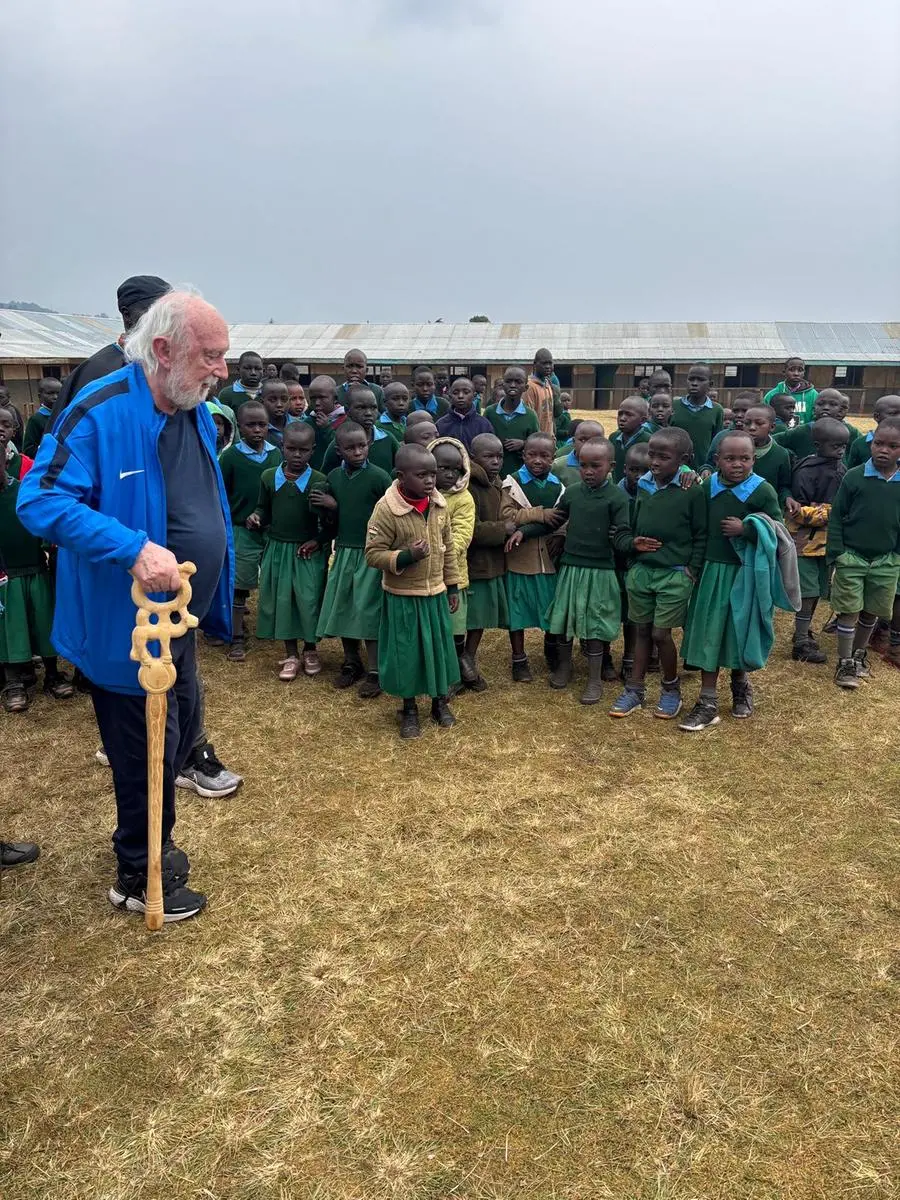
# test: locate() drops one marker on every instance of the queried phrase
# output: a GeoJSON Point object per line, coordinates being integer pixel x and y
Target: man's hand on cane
{"type": "Point", "coordinates": [156, 569]}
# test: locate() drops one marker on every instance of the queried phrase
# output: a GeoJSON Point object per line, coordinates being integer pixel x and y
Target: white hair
{"type": "Point", "coordinates": [168, 318]}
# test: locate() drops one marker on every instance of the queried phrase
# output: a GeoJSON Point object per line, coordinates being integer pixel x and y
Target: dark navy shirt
{"type": "Point", "coordinates": [196, 528]}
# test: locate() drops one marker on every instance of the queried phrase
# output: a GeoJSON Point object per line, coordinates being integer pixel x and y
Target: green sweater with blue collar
{"type": "Point", "coordinates": [865, 515]}
{"type": "Point", "coordinates": [598, 524]}
{"type": "Point", "coordinates": [702, 424]}
{"type": "Point", "coordinates": [675, 516]}
{"type": "Point", "coordinates": [621, 446]}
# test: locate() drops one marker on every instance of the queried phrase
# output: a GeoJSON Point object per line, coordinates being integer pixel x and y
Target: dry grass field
{"type": "Point", "coordinates": [544, 954]}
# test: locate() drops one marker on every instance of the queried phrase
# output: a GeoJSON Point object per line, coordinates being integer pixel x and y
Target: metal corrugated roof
{"type": "Point", "coordinates": [42, 337]}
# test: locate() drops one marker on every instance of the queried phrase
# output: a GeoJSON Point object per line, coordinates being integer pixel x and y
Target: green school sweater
{"type": "Point", "coordinates": [397, 429]}
{"type": "Point", "coordinates": [677, 516]}
{"type": "Point", "coordinates": [598, 525]}
{"type": "Point", "coordinates": [241, 476]}
{"type": "Point", "coordinates": [324, 438]}
{"type": "Point", "coordinates": [797, 441]}
{"type": "Point", "coordinates": [804, 401]}
{"type": "Point", "coordinates": [763, 499]}
{"type": "Point", "coordinates": [518, 425]}
{"type": "Point", "coordinates": [621, 445]}
{"type": "Point", "coordinates": [562, 427]}
{"type": "Point", "coordinates": [865, 516]}
{"type": "Point", "coordinates": [440, 408]}
{"type": "Point", "coordinates": [343, 393]}
{"type": "Point", "coordinates": [859, 452]}
{"type": "Point", "coordinates": [356, 495]}
{"type": "Point", "coordinates": [566, 469]}
{"type": "Point", "coordinates": [286, 514]}
{"type": "Point", "coordinates": [20, 550]}
{"type": "Point", "coordinates": [234, 399]}
{"type": "Point", "coordinates": [773, 463]}
{"type": "Point", "coordinates": [710, 460]}
{"type": "Point", "coordinates": [382, 452]}
{"type": "Point", "coordinates": [34, 431]}
{"type": "Point", "coordinates": [702, 425]}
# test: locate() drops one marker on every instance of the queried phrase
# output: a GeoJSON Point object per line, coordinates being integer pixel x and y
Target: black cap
{"type": "Point", "coordinates": [141, 290]}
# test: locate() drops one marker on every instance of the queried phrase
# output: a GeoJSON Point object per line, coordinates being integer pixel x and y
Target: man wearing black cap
{"type": "Point", "coordinates": [203, 773]}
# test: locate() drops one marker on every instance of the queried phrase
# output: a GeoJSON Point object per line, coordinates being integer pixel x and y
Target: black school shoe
{"type": "Point", "coordinates": [742, 700]}
{"type": "Point", "coordinates": [17, 854]}
{"type": "Point", "coordinates": [441, 714]}
{"type": "Point", "coordinates": [702, 716]}
{"type": "Point", "coordinates": [521, 671]}
{"type": "Point", "coordinates": [370, 686]}
{"type": "Point", "coordinates": [409, 723]}
{"type": "Point", "coordinates": [351, 672]}
{"type": "Point", "coordinates": [808, 651]}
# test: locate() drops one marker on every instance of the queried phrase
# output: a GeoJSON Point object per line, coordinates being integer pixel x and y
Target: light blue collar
{"type": "Point", "coordinates": [572, 461]}
{"type": "Point", "coordinates": [301, 483]}
{"type": "Point", "coordinates": [707, 403]}
{"type": "Point", "coordinates": [237, 386]}
{"type": "Point", "coordinates": [648, 484]}
{"type": "Point", "coordinates": [257, 456]}
{"type": "Point", "coordinates": [743, 491]}
{"type": "Point", "coordinates": [525, 476]}
{"type": "Point", "coordinates": [519, 411]}
{"type": "Point", "coordinates": [44, 411]}
{"type": "Point", "coordinates": [870, 436]}
{"type": "Point", "coordinates": [362, 466]}
{"type": "Point", "coordinates": [378, 435]}
{"type": "Point", "coordinates": [430, 405]}
{"type": "Point", "coordinates": [387, 419]}
{"type": "Point", "coordinates": [618, 435]}
{"type": "Point", "coordinates": [623, 485]}
{"type": "Point", "coordinates": [872, 471]}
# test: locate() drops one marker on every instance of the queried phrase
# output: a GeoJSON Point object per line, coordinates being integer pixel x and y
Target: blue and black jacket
{"type": "Point", "coordinates": [97, 491]}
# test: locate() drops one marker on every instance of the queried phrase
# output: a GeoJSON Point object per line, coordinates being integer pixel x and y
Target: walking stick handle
{"type": "Point", "coordinates": [154, 623]}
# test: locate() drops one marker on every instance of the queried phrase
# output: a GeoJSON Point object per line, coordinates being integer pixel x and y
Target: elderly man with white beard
{"type": "Point", "coordinates": [128, 481]}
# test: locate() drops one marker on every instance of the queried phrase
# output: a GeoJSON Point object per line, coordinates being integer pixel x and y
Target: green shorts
{"type": "Point", "coordinates": [814, 575]}
{"type": "Point", "coordinates": [862, 586]}
{"type": "Point", "coordinates": [658, 596]}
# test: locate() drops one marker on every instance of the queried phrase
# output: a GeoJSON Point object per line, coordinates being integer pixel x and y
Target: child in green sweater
{"type": "Point", "coordinates": [292, 572]}
{"type": "Point", "coordinates": [48, 389]}
{"type": "Point", "coordinates": [566, 467]}
{"type": "Point", "coordinates": [351, 608]}
{"type": "Point", "coordinates": [563, 423]}
{"type": "Point", "coordinates": [711, 639]}
{"type": "Point", "coordinates": [323, 417]}
{"type": "Point", "coordinates": [860, 450]}
{"type": "Point", "coordinates": [864, 547]}
{"type": "Point", "coordinates": [695, 412]}
{"type": "Point", "coordinates": [587, 603]}
{"type": "Point", "coordinates": [772, 462]}
{"type": "Point", "coordinates": [795, 385]}
{"type": "Point", "coordinates": [242, 465]}
{"type": "Point", "coordinates": [740, 406]}
{"type": "Point", "coordinates": [670, 528]}
{"type": "Point", "coordinates": [798, 441]}
{"type": "Point", "coordinates": [660, 411]}
{"type": "Point", "coordinates": [362, 409]}
{"type": "Point", "coordinates": [633, 420]}
{"type": "Point", "coordinates": [396, 410]}
{"type": "Point", "coordinates": [512, 420]}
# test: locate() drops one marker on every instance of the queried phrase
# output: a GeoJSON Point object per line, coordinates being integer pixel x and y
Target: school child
{"type": "Point", "coordinates": [441, 381]}
{"type": "Point", "coordinates": [325, 415]}
{"type": "Point", "coordinates": [740, 406]}
{"type": "Point", "coordinates": [660, 411]}
{"type": "Point", "coordinates": [783, 407]}
{"type": "Point", "coordinates": [247, 385]}
{"type": "Point", "coordinates": [453, 473]}
{"type": "Point", "coordinates": [274, 396]}
{"type": "Point", "coordinates": [479, 383]}
{"type": "Point", "coordinates": [396, 410]}
{"type": "Point", "coordinates": [362, 409]}
{"type": "Point", "coordinates": [670, 527]}
{"type": "Point", "coordinates": [814, 484]}
{"type": "Point", "coordinates": [270, 371]}
{"type": "Point", "coordinates": [487, 606]}
{"type": "Point", "coordinates": [424, 397]}
{"type": "Point", "coordinates": [772, 462]}
{"type": "Point", "coordinates": [798, 388]}
{"type": "Point", "coordinates": [410, 541]}
{"type": "Point", "coordinates": [528, 496]}
{"type": "Point", "coordinates": [419, 432]}
{"type": "Point", "coordinates": [587, 603]}
{"type": "Point", "coordinates": [17, 465]}
{"type": "Point", "coordinates": [566, 467]}
{"type": "Point", "coordinates": [48, 389]}
{"type": "Point", "coordinates": [498, 391]}
{"type": "Point", "coordinates": [637, 463]}
{"type": "Point", "coordinates": [563, 423]}
{"type": "Point", "coordinates": [26, 606]}
{"type": "Point", "coordinates": [696, 413]}
{"type": "Point", "coordinates": [855, 434]}
{"type": "Point", "coordinates": [864, 548]}
{"type": "Point", "coordinates": [462, 422]}
{"type": "Point", "coordinates": [660, 381]}
{"type": "Point", "coordinates": [632, 420]}
{"type": "Point", "coordinates": [643, 388]}
{"type": "Point", "coordinates": [296, 400]}
{"type": "Point", "coordinates": [288, 372]}
{"type": "Point", "coordinates": [540, 393]}
{"type": "Point", "coordinates": [351, 609]}
{"type": "Point", "coordinates": [356, 368]}
{"type": "Point", "coordinates": [568, 446]}
{"type": "Point", "coordinates": [711, 638]}
{"type": "Point", "coordinates": [292, 572]}
{"type": "Point", "coordinates": [243, 465]}
{"type": "Point", "coordinates": [861, 450]}
{"type": "Point", "coordinates": [512, 420]}
{"type": "Point", "coordinates": [224, 423]}
{"type": "Point", "coordinates": [798, 441]}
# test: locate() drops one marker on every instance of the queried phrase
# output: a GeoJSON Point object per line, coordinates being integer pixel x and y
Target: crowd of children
{"type": "Point", "coordinates": [408, 523]}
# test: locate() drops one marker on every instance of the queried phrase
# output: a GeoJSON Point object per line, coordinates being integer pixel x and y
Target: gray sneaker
{"type": "Point", "coordinates": [861, 658]}
{"type": "Point", "coordinates": [845, 675]}
{"type": "Point", "coordinates": [206, 776]}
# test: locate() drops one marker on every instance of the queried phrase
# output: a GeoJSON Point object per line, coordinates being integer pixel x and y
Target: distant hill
{"type": "Point", "coordinates": [25, 306]}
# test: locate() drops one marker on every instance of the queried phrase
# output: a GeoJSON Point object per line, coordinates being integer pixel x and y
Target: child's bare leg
{"type": "Point", "coordinates": [668, 655]}
{"type": "Point", "coordinates": [473, 641]}
{"type": "Point", "coordinates": [640, 655]}
{"type": "Point", "coordinates": [708, 683]}
{"type": "Point", "coordinates": [517, 643]}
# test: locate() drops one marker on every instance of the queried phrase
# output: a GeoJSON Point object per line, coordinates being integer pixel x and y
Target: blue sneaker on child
{"type": "Point", "coordinates": [670, 704]}
{"type": "Point", "coordinates": [628, 702]}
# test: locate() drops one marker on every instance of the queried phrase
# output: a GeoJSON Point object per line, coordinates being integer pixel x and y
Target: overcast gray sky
{"type": "Point", "coordinates": [401, 160]}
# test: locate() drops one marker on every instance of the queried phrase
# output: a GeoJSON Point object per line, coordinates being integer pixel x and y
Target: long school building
{"type": "Point", "coordinates": [599, 364]}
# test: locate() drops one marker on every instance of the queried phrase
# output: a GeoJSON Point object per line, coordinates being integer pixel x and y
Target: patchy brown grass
{"type": "Point", "coordinates": [544, 954]}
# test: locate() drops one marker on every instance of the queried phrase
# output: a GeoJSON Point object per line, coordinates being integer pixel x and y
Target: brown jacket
{"type": "Point", "coordinates": [393, 526]}
{"type": "Point", "coordinates": [533, 556]}
{"type": "Point", "coordinates": [486, 558]}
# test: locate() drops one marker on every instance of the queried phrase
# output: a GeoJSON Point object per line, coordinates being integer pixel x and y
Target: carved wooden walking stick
{"type": "Point", "coordinates": [156, 676]}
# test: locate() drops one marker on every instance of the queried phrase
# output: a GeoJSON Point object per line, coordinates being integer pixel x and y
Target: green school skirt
{"type": "Point", "coordinates": [27, 618]}
{"type": "Point", "coordinates": [458, 619]}
{"type": "Point", "coordinates": [710, 639]}
{"type": "Point", "coordinates": [529, 597]}
{"type": "Point", "coordinates": [814, 576]}
{"type": "Point", "coordinates": [416, 655]}
{"type": "Point", "coordinates": [487, 604]}
{"type": "Point", "coordinates": [290, 593]}
{"type": "Point", "coordinates": [352, 604]}
{"type": "Point", "coordinates": [587, 604]}
{"type": "Point", "coordinates": [248, 551]}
